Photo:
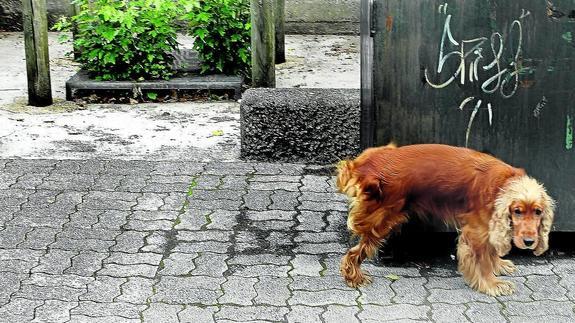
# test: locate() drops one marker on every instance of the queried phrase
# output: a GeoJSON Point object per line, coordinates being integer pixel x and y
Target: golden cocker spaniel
{"type": "Point", "coordinates": [490, 202]}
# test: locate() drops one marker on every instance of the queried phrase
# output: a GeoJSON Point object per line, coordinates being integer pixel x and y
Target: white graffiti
{"type": "Point", "coordinates": [472, 64]}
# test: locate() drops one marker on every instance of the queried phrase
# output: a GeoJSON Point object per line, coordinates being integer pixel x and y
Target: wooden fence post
{"type": "Point", "coordinates": [279, 16]}
{"type": "Point", "coordinates": [263, 43]}
{"type": "Point", "coordinates": [74, 10]}
{"type": "Point", "coordinates": [36, 47]}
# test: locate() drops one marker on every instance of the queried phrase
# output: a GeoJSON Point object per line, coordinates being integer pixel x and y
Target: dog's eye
{"type": "Point", "coordinates": [517, 211]}
{"type": "Point", "coordinates": [538, 212]}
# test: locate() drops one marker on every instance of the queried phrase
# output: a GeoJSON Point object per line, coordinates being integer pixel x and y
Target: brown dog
{"type": "Point", "coordinates": [490, 202]}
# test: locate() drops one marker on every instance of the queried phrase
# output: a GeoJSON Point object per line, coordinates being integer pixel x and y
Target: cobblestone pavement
{"type": "Point", "coordinates": [131, 241]}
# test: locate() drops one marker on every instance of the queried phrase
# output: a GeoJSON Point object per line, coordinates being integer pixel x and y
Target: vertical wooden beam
{"type": "Point", "coordinates": [36, 47]}
{"type": "Point", "coordinates": [74, 10]}
{"type": "Point", "coordinates": [263, 43]}
{"type": "Point", "coordinates": [279, 16]}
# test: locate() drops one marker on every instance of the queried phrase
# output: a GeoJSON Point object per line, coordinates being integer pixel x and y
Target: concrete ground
{"type": "Point", "coordinates": [144, 213]}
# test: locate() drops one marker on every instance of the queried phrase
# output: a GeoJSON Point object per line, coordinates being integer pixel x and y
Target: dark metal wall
{"type": "Point", "coordinates": [493, 75]}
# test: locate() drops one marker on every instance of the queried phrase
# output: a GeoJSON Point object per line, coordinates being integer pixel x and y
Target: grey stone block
{"type": "Point", "coordinates": [252, 313]}
{"type": "Point", "coordinates": [339, 313]}
{"type": "Point", "coordinates": [238, 291]}
{"type": "Point", "coordinates": [313, 125]}
{"type": "Point", "coordinates": [272, 291]}
{"type": "Point", "coordinates": [394, 312]}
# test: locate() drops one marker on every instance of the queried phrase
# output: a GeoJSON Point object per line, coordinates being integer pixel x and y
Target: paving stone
{"type": "Point", "coordinates": [274, 225]}
{"type": "Point", "coordinates": [89, 234]}
{"type": "Point", "coordinates": [197, 314]}
{"type": "Point", "coordinates": [174, 201]}
{"type": "Point", "coordinates": [188, 290]}
{"type": "Point", "coordinates": [165, 187]}
{"type": "Point", "coordinates": [154, 215]}
{"type": "Point", "coordinates": [257, 200]}
{"type": "Point", "coordinates": [210, 264]}
{"type": "Point", "coordinates": [205, 246]}
{"type": "Point", "coordinates": [543, 318]}
{"type": "Point", "coordinates": [458, 296]}
{"type": "Point", "coordinates": [21, 254]}
{"type": "Point", "coordinates": [54, 311]}
{"type": "Point", "coordinates": [238, 291]}
{"type": "Point", "coordinates": [300, 313]}
{"type": "Point", "coordinates": [178, 264]}
{"type": "Point", "coordinates": [55, 261]}
{"type": "Point", "coordinates": [313, 183]}
{"type": "Point", "coordinates": [259, 259]}
{"type": "Point", "coordinates": [71, 181]}
{"type": "Point", "coordinates": [103, 289]}
{"type": "Point", "coordinates": [208, 182]}
{"type": "Point", "coordinates": [379, 270]}
{"type": "Point", "coordinates": [153, 225]}
{"type": "Point", "coordinates": [409, 291]}
{"type": "Point", "coordinates": [231, 168]}
{"type": "Point", "coordinates": [568, 282]}
{"type": "Point", "coordinates": [109, 201]}
{"type": "Point", "coordinates": [129, 241]}
{"type": "Point", "coordinates": [94, 309]}
{"type": "Point", "coordinates": [446, 282]}
{"type": "Point", "coordinates": [158, 312]}
{"type": "Point", "coordinates": [262, 270]}
{"type": "Point", "coordinates": [134, 258]}
{"type": "Point", "coordinates": [252, 313]}
{"type": "Point", "coordinates": [283, 200]}
{"type": "Point", "coordinates": [379, 292]}
{"type": "Point", "coordinates": [86, 263]}
{"type": "Point", "coordinates": [448, 313]}
{"type": "Point", "coordinates": [320, 248]}
{"type": "Point", "coordinates": [276, 169]}
{"type": "Point", "coordinates": [563, 266]}
{"type": "Point", "coordinates": [276, 178]}
{"type": "Point", "coordinates": [9, 284]}
{"type": "Point", "coordinates": [178, 168]}
{"type": "Point", "coordinates": [39, 238]}
{"type": "Point", "coordinates": [16, 265]}
{"type": "Point", "coordinates": [534, 267]}
{"type": "Point", "coordinates": [62, 293]}
{"type": "Point", "coordinates": [234, 182]}
{"type": "Point", "coordinates": [8, 179]}
{"type": "Point", "coordinates": [115, 270]}
{"type": "Point", "coordinates": [136, 290]}
{"type": "Point", "coordinates": [274, 186]}
{"type": "Point", "coordinates": [230, 205]}
{"type": "Point", "coordinates": [107, 182]}
{"type": "Point", "coordinates": [102, 319]}
{"type": "Point", "coordinates": [111, 219]}
{"type": "Point", "coordinates": [13, 235]}
{"type": "Point", "coordinates": [324, 197]}
{"type": "Point", "coordinates": [318, 237]}
{"type": "Point", "coordinates": [81, 245]}
{"type": "Point", "coordinates": [19, 310]}
{"type": "Point", "coordinates": [46, 280]}
{"type": "Point", "coordinates": [309, 283]}
{"type": "Point", "coordinates": [28, 181]}
{"type": "Point", "coordinates": [323, 206]}
{"type": "Point", "coordinates": [481, 312]}
{"type": "Point", "coordinates": [133, 183]}
{"type": "Point", "coordinates": [546, 288]}
{"type": "Point", "coordinates": [272, 291]}
{"type": "Point", "coordinates": [194, 219]}
{"type": "Point", "coordinates": [222, 220]}
{"type": "Point", "coordinates": [210, 195]}
{"type": "Point", "coordinates": [338, 313]}
{"type": "Point", "coordinates": [311, 221]}
{"type": "Point", "coordinates": [149, 202]}
{"type": "Point", "coordinates": [82, 219]}
{"type": "Point", "coordinates": [212, 235]}
{"type": "Point", "coordinates": [324, 297]}
{"type": "Point", "coordinates": [307, 265]}
{"type": "Point", "coordinates": [394, 312]}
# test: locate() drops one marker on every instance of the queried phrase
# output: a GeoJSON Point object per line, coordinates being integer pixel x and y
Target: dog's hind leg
{"type": "Point", "coordinates": [371, 230]}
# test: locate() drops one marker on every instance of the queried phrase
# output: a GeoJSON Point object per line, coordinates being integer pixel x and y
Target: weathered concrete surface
{"type": "Point", "coordinates": [300, 125]}
{"type": "Point", "coordinates": [176, 241]}
{"type": "Point", "coordinates": [302, 16]}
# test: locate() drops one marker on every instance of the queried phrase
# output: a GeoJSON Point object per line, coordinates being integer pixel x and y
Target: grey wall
{"type": "Point", "coordinates": [302, 16]}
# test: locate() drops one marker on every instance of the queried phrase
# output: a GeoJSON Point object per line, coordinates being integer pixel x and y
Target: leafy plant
{"type": "Point", "coordinates": [223, 33]}
{"type": "Point", "coordinates": [127, 39]}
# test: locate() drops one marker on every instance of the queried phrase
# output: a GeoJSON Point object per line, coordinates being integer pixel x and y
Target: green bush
{"type": "Point", "coordinates": [127, 40]}
{"type": "Point", "coordinates": [222, 29]}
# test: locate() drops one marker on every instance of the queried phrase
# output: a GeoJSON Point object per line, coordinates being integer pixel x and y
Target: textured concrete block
{"type": "Point", "coordinates": [300, 125]}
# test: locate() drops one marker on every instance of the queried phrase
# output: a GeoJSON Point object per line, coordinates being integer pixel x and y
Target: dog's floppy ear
{"type": "Point", "coordinates": [500, 234]}
{"type": "Point", "coordinates": [546, 222]}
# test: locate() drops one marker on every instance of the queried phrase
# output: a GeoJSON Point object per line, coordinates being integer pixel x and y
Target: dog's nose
{"type": "Point", "coordinates": [528, 242]}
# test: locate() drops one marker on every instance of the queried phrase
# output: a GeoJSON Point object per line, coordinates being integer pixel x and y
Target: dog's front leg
{"type": "Point", "coordinates": [476, 263]}
{"type": "Point", "coordinates": [503, 266]}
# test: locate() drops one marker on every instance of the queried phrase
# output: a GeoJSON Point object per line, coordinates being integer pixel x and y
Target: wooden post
{"type": "Point", "coordinates": [279, 16]}
{"type": "Point", "coordinates": [36, 47]}
{"type": "Point", "coordinates": [263, 43]}
{"type": "Point", "coordinates": [74, 10]}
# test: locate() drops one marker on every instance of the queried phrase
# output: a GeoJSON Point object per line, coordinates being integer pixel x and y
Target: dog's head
{"type": "Point", "coordinates": [523, 213]}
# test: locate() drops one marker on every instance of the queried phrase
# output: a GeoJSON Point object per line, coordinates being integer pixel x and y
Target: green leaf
{"type": "Point", "coordinates": [152, 95]}
{"type": "Point", "coordinates": [392, 277]}
{"type": "Point", "coordinates": [217, 133]}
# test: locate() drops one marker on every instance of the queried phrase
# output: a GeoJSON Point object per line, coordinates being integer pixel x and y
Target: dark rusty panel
{"type": "Point", "coordinates": [530, 128]}
{"type": "Point", "coordinates": [367, 117]}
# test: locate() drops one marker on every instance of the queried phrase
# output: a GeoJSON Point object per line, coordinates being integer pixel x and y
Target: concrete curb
{"type": "Point", "coordinates": [300, 125]}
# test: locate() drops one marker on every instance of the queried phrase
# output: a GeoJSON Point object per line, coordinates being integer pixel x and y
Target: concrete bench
{"type": "Point", "coordinates": [300, 125]}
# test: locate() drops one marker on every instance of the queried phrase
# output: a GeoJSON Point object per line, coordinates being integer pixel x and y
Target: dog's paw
{"type": "Point", "coordinates": [506, 267]}
{"type": "Point", "coordinates": [499, 288]}
{"type": "Point", "coordinates": [360, 280]}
